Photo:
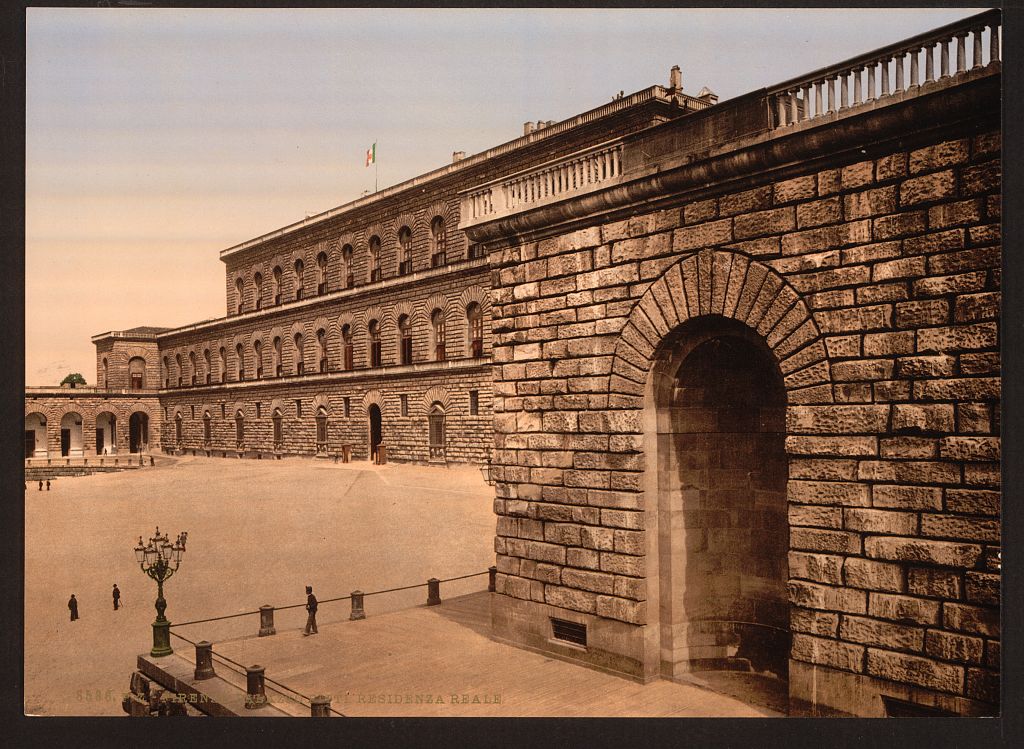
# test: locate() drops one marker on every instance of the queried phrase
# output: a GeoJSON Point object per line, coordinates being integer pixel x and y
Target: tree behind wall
{"type": "Point", "coordinates": [73, 380]}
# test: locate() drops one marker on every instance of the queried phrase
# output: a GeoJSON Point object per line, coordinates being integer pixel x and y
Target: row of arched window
{"type": "Point", "coordinates": [136, 373]}
{"type": "Point", "coordinates": [181, 372]}
{"type": "Point", "coordinates": [438, 258]}
{"type": "Point", "coordinates": [276, 418]}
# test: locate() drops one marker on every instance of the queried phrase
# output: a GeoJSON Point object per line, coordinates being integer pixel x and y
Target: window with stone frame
{"type": "Point", "coordinates": [137, 373]}
{"type": "Point", "coordinates": [177, 367]}
{"type": "Point", "coordinates": [278, 281]}
{"type": "Point", "coordinates": [105, 381]}
{"type": "Point", "coordinates": [438, 242]}
{"type": "Point", "coordinates": [178, 436]}
{"type": "Point", "coordinates": [347, 272]}
{"type": "Point", "coordinates": [373, 330]}
{"type": "Point", "coordinates": [375, 272]}
{"type": "Point", "coordinates": [239, 428]}
{"type": "Point", "coordinates": [437, 328]}
{"type": "Point", "coordinates": [276, 352]}
{"type": "Point", "coordinates": [476, 250]}
{"type": "Point", "coordinates": [257, 350]}
{"type": "Point", "coordinates": [167, 372]}
{"type": "Point", "coordinates": [404, 251]}
{"type": "Point", "coordinates": [321, 430]}
{"type": "Point", "coordinates": [207, 428]}
{"type": "Point", "coordinates": [346, 403]}
{"type": "Point", "coordinates": [223, 364]}
{"type": "Point", "coordinates": [475, 329]}
{"type": "Point", "coordinates": [192, 373]}
{"type": "Point", "coordinates": [257, 283]}
{"type": "Point", "coordinates": [207, 366]}
{"type": "Point", "coordinates": [474, 402]}
{"type": "Point", "coordinates": [405, 339]}
{"type": "Point", "coordinates": [239, 294]}
{"type": "Point", "coordinates": [300, 268]}
{"type": "Point", "coordinates": [347, 347]}
{"type": "Point", "coordinates": [403, 402]}
{"type": "Point", "coordinates": [239, 363]}
{"type": "Point", "coordinates": [300, 354]}
{"type": "Point", "coordinates": [321, 349]}
{"type": "Point", "coordinates": [321, 273]}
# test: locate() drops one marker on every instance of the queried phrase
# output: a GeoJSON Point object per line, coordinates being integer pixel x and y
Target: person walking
{"type": "Point", "coordinates": [73, 606]}
{"type": "Point", "coordinates": [311, 608]}
{"type": "Point", "coordinates": [117, 598]}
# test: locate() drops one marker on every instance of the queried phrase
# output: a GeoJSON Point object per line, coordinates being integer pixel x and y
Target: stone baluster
{"type": "Point", "coordinates": [844, 98]}
{"type": "Point", "coordinates": [944, 58]}
{"type": "Point", "coordinates": [899, 72]}
{"type": "Point", "coordinates": [929, 64]}
{"type": "Point", "coordinates": [993, 44]}
{"type": "Point", "coordinates": [961, 52]}
{"type": "Point", "coordinates": [914, 75]}
{"type": "Point", "coordinates": [871, 82]}
{"type": "Point", "coordinates": [807, 101]}
{"type": "Point", "coordinates": [780, 103]}
{"type": "Point", "coordinates": [857, 87]}
{"type": "Point", "coordinates": [794, 113]}
{"type": "Point", "coordinates": [976, 48]}
{"type": "Point", "coordinates": [831, 84]}
{"type": "Point", "coordinates": [885, 76]}
{"type": "Point", "coordinates": [817, 99]}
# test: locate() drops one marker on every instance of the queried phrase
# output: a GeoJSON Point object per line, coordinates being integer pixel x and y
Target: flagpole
{"type": "Point", "coordinates": [376, 166]}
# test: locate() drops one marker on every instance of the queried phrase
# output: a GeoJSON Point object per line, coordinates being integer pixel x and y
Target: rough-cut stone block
{"type": "Point", "coordinates": [598, 582]}
{"type": "Point", "coordinates": [633, 612]}
{"type": "Point", "coordinates": [880, 521]}
{"type": "Point", "coordinates": [974, 619]}
{"type": "Point", "coordinates": [702, 235]}
{"type": "Point", "coordinates": [959, 528]}
{"type": "Point", "coordinates": [798, 188]}
{"type": "Point", "coordinates": [881, 634]}
{"type": "Point", "coordinates": [935, 583]}
{"type": "Point", "coordinates": [869, 574]}
{"type": "Point", "coordinates": [828, 598]}
{"type": "Point", "coordinates": [954, 647]}
{"type": "Point", "coordinates": [817, 539]}
{"type": "Point", "coordinates": [813, 516]}
{"type": "Point", "coordinates": [906, 497]}
{"type": "Point", "coordinates": [824, 652]}
{"type": "Point", "coordinates": [970, 448]}
{"type": "Point", "coordinates": [983, 588]}
{"type": "Point", "coordinates": [814, 622]}
{"type": "Point", "coordinates": [830, 493]}
{"type": "Point", "coordinates": [903, 608]}
{"type": "Point", "coordinates": [819, 212]}
{"type": "Point", "coordinates": [922, 418]}
{"type": "Point", "coordinates": [942, 553]}
{"type": "Point", "coordinates": [832, 446]}
{"type": "Point", "coordinates": [982, 684]}
{"type": "Point", "coordinates": [911, 669]}
{"type": "Point", "coordinates": [958, 338]}
{"type": "Point", "coordinates": [570, 598]}
{"type": "Point", "coordinates": [928, 188]}
{"type": "Point", "coordinates": [939, 156]}
{"type": "Point", "coordinates": [833, 419]}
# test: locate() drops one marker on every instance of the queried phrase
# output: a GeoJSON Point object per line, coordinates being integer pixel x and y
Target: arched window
{"type": "Point", "coordinates": [177, 368]}
{"type": "Point", "coordinates": [321, 430]}
{"type": "Point", "coordinates": [105, 382]}
{"type": "Point", "coordinates": [192, 367]}
{"type": "Point", "coordinates": [223, 364]}
{"type": "Point", "coordinates": [299, 268]}
{"type": "Point", "coordinates": [405, 339]}
{"type": "Point", "coordinates": [347, 348]}
{"type": "Point", "coordinates": [167, 372]}
{"type": "Point", "coordinates": [239, 289]}
{"type": "Point", "coordinates": [438, 242]}
{"type": "Point", "coordinates": [475, 329]}
{"type": "Point", "coordinates": [300, 355]}
{"type": "Point", "coordinates": [137, 373]}
{"type": "Point", "coordinates": [374, 258]}
{"type": "Point", "coordinates": [277, 279]}
{"type": "Point", "coordinates": [240, 362]}
{"type": "Point", "coordinates": [375, 353]}
{"type": "Point", "coordinates": [239, 429]}
{"type": "Point", "coordinates": [346, 270]}
{"type": "Point", "coordinates": [436, 424]}
{"type": "Point", "coordinates": [257, 350]}
{"type": "Point", "coordinates": [257, 283]}
{"type": "Point", "coordinates": [321, 349]}
{"type": "Point", "coordinates": [278, 367]}
{"type": "Point", "coordinates": [278, 421]}
{"type": "Point", "coordinates": [206, 364]}
{"type": "Point", "coordinates": [207, 428]}
{"type": "Point", "coordinates": [321, 273]}
{"type": "Point", "coordinates": [177, 428]}
{"type": "Point", "coordinates": [404, 251]}
{"type": "Point", "coordinates": [438, 334]}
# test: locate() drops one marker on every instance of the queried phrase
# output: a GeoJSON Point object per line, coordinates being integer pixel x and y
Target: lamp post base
{"type": "Point", "coordinates": [161, 639]}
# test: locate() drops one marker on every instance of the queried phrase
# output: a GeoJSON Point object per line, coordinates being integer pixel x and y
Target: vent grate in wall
{"type": "Point", "coordinates": [573, 632]}
{"type": "Point", "coordinates": [895, 708]}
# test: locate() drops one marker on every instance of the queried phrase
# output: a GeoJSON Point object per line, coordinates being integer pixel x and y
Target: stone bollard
{"type": "Point", "coordinates": [433, 591]}
{"type": "Point", "coordinates": [492, 578]}
{"type": "Point", "coordinates": [267, 621]}
{"type": "Point", "coordinates": [151, 463]}
{"type": "Point", "coordinates": [255, 690]}
{"type": "Point", "coordinates": [357, 606]}
{"type": "Point", "coordinates": [204, 661]}
{"type": "Point", "coordinates": [320, 707]}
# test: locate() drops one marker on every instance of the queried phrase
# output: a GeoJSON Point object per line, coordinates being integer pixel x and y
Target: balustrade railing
{"type": "Point", "coordinates": [579, 173]}
{"type": "Point", "coordinates": [972, 44]}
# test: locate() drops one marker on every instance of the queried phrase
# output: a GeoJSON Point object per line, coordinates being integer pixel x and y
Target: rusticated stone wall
{"type": "Point", "coordinates": [876, 285]}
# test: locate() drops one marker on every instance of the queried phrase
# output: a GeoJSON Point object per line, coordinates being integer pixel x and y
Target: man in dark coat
{"type": "Point", "coordinates": [311, 608]}
{"type": "Point", "coordinates": [117, 598]}
{"type": "Point", "coordinates": [73, 606]}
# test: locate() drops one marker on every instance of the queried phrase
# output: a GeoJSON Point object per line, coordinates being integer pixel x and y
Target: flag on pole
{"type": "Point", "coordinates": [371, 155]}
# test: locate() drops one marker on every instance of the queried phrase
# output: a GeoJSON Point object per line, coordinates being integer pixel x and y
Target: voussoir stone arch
{"type": "Point", "coordinates": [437, 301]}
{"type": "Point", "coordinates": [130, 352]}
{"type": "Point", "coordinates": [475, 294]}
{"type": "Point", "coordinates": [320, 400]}
{"type": "Point", "coordinates": [404, 307]}
{"type": "Point", "coordinates": [445, 210]}
{"type": "Point", "coordinates": [277, 403]}
{"type": "Point", "coordinates": [373, 312]}
{"type": "Point", "coordinates": [346, 318]}
{"type": "Point", "coordinates": [34, 407]}
{"type": "Point", "coordinates": [59, 411]}
{"type": "Point", "coordinates": [732, 285]}
{"type": "Point", "coordinates": [372, 397]}
{"type": "Point", "coordinates": [346, 238]}
{"type": "Point", "coordinates": [407, 218]}
{"type": "Point", "coordinates": [321, 322]}
{"type": "Point", "coordinates": [436, 394]}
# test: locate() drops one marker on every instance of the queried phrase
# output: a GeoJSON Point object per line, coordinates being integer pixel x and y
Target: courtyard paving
{"type": "Point", "coordinates": [259, 531]}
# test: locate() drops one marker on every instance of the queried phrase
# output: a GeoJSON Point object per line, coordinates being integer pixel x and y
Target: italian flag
{"type": "Point", "coordinates": [371, 155]}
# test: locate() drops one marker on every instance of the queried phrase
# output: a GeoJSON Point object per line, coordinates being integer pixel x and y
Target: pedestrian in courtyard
{"type": "Point", "coordinates": [311, 608]}
{"type": "Point", "coordinates": [73, 606]}
{"type": "Point", "coordinates": [40, 486]}
{"type": "Point", "coordinates": [47, 484]}
{"type": "Point", "coordinates": [117, 598]}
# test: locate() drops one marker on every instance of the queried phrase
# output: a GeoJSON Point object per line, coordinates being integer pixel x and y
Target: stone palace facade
{"type": "Point", "coordinates": [735, 366]}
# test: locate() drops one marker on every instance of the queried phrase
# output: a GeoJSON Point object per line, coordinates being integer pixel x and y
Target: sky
{"type": "Point", "coordinates": [155, 138]}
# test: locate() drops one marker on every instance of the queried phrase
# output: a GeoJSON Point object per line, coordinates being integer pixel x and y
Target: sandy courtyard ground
{"type": "Point", "coordinates": [259, 531]}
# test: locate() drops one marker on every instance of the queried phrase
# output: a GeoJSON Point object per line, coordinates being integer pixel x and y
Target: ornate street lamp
{"type": "Point", "coordinates": [160, 559]}
{"type": "Point", "coordinates": [485, 471]}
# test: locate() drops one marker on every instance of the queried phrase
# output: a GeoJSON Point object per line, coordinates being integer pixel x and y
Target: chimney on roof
{"type": "Point", "coordinates": [528, 128]}
{"type": "Point", "coordinates": [675, 79]}
{"type": "Point", "coordinates": [458, 156]}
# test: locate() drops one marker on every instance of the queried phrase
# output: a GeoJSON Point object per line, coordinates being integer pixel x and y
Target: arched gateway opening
{"type": "Point", "coordinates": [138, 432]}
{"type": "Point", "coordinates": [376, 430]}
{"type": "Point", "coordinates": [723, 539]}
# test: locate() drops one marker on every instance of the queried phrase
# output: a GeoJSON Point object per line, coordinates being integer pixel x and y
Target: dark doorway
{"type": "Point", "coordinates": [99, 441]}
{"type": "Point", "coordinates": [30, 443]}
{"type": "Point", "coordinates": [375, 430]}
{"type": "Point", "coordinates": [138, 431]}
{"type": "Point", "coordinates": [65, 442]}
